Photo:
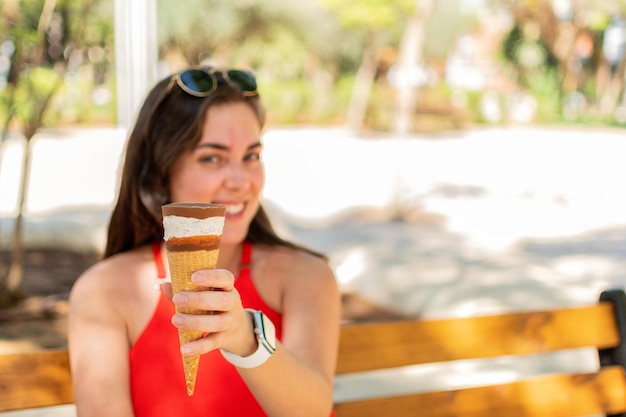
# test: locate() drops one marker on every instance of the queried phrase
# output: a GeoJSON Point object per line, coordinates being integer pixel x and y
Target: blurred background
{"type": "Point", "coordinates": [335, 62]}
{"type": "Point", "coordinates": [453, 157]}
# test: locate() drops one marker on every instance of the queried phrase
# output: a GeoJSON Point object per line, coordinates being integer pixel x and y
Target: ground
{"type": "Point", "coordinates": [39, 320]}
{"type": "Point", "coordinates": [499, 219]}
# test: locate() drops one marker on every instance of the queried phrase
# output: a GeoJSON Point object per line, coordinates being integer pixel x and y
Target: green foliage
{"type": "Point", "coordinates": [447, 22]}
{"type": "Point", "coordinates": [299, 101]}
{"type": "Point", "coordinates": [371, 14]}
{"type": "Point", "coordinates": [284, 43]}
{"type": "Point", "coordinates": [196, 24]}
{"type": "Point", "coordinates": [306, 53]}
{"type": "Point", "coordinates": [36, 85]}
{"type": "Point", "coordinates": [545, 87]}
{"type": "Point", "coordinates": [211, 29]}
{"type": "Point", "coordinates": [73, 39]}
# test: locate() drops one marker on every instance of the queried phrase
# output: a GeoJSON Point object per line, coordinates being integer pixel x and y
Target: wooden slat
{"type": "Point", "coordinates": [549, 395]}
{"type": "Point", "coordinates": [386, 345]}
{"type": "Point", "coordinates": [38, 379]}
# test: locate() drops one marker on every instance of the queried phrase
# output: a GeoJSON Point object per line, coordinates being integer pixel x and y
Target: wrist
{"type": "Point", "coordinates": [265, 337]}
{"type": "Point", "coordinates": [248, 343]}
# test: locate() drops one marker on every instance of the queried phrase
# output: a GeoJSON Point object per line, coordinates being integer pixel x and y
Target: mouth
{"type": "Point", "coordinates": [234, 209]}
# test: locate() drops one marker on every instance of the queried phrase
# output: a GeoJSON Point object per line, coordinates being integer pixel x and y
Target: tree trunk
{"type": "Point", "coordinates": [362, 86]}
{"type": "Point", "coordinates": [15, 277]}
{"type": "Point", "coordinates": [410, 59]}
{"type": "Point", "coordinates": [3, 138]}
{"type": "Point", "coordinates": [610, 96]}
{"type": "Point", "coordinates": [12, 291]}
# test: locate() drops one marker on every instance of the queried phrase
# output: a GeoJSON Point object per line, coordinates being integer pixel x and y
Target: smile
{"type": "Point", "coordinates": [235, 209]}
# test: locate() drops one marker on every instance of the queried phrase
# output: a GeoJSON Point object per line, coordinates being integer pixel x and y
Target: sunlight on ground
{"type": "Point", "coordinates": [524, 214]}
{"type": "Point", "coordinates": [69, 168]}
{"type": "Point", "coordinates": [494, 184]}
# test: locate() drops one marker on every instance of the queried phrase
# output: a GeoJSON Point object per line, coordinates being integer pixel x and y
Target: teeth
{"type": "Point", "coordinates": [235, 209]}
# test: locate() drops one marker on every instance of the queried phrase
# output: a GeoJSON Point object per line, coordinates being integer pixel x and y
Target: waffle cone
{"type": "Point", "coordinates": [182, 264]}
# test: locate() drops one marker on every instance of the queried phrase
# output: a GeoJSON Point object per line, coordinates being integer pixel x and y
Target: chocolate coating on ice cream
{"type": "Point", "coordinates": [195, 210]}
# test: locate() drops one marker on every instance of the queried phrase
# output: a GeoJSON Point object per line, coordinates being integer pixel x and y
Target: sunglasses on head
{"type": "Point", "coordinates": [202, 81]}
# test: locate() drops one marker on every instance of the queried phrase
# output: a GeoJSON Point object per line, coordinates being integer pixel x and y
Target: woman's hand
{"type": "Point", "coordinates": [226, 325]}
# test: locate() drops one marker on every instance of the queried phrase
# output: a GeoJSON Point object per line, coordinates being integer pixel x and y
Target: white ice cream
{"type": "Point", "coordinates": [177, 226]}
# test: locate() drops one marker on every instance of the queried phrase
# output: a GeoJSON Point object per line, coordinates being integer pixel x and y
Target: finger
{"type": "Point", "coordinates": [206, 323]}
{"type": "Point", "coordinates": [200, 346]}
{"type": "Point", "coordinates": [211, 300]}
{"type": "Point", "coordinates": [214, 278]}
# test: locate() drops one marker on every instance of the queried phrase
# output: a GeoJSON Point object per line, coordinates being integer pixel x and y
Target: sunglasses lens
{"type": "Point", "coordinates": [197, 81]}
{"type": "Point", "coordinates": [244, 80]}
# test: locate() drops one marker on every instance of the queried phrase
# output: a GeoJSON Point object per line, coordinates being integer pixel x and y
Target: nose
{"type": "Point", "coordinates": [236, 177]}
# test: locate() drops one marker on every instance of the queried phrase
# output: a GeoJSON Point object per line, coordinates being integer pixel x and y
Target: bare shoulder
{"type": "Point", "coordinates": [303, 288]}
{"type": "Point", "coordinates": [111, 278]}
{"type": "Point", "coordinates": [293, 265]}
{"type": "Point", "coordinates": [292, 269]}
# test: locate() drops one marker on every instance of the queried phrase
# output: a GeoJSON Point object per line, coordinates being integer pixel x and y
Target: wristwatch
{"type": "Point", "coordinates": [265, 333]}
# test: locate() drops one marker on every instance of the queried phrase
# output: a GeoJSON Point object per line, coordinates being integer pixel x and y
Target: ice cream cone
{"type": "Point", "coordinates": [193, 234]}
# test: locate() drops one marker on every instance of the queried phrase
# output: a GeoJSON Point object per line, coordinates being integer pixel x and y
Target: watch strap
{"type": "Point", "coordinates": [265, 337]}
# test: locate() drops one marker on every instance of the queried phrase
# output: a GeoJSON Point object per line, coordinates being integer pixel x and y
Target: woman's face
{"type": "Point", "coordinates": [225, 168]}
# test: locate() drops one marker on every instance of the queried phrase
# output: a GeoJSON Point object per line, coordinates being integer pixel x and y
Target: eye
{"type": "Point", "coordinates": [210, 159]}
{"type": "Point", "coordinates": [253, 157]}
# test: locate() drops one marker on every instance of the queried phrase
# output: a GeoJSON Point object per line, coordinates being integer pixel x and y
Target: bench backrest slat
{"type": "Point", "coordinates": [371, 346]}
{"type": "Point", "coordinates": [36, 379]}
{"type": "Point", "coordinates": [542, 396]}
{"type": "Point", "coordinates": [41, 379]}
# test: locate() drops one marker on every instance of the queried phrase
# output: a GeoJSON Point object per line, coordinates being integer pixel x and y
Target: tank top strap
{"type": "Point", "coordinates": [158, 260]}
{"type": "Point", "coordinates": [246, 255]}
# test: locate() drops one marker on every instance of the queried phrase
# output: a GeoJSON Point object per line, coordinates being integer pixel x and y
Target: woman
{"type": "Point", "coordinates": [197, 138]}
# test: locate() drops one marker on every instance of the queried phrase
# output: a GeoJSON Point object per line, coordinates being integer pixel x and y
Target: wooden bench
{"type": "Point", "coordinates": [41, 379]}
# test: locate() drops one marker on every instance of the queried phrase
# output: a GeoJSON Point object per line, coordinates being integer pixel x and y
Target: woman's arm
{"type": "Point", "coordinates": [298, 379]}
{"type": "Point", "coordinates": [98, 346]}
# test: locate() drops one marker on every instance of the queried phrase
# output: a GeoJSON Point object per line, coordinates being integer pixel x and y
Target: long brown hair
{"type": "Point", "coordinates": [169, 124]}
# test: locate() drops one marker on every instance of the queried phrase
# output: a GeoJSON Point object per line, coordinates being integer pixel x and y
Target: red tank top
{"type": "Point", "coordinates": [157, 380]}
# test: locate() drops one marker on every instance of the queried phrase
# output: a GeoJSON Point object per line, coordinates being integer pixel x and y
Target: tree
{"type": "Point", "coordinates": [49, 40]}
{"type": "Point", "coordinates": [566, 42]}
{"type": "Point", "coordinates": [376, 20]}
{"type": "Point", "coordinates": [411, 57]}
{"type": "Point", "coordinates": [291, 45]}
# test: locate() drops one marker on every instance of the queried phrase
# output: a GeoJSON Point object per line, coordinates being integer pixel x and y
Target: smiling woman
{"type": "Point", "coordinates": [198, 139]}
{"type": "Point", "coordinates": [224, 168]}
